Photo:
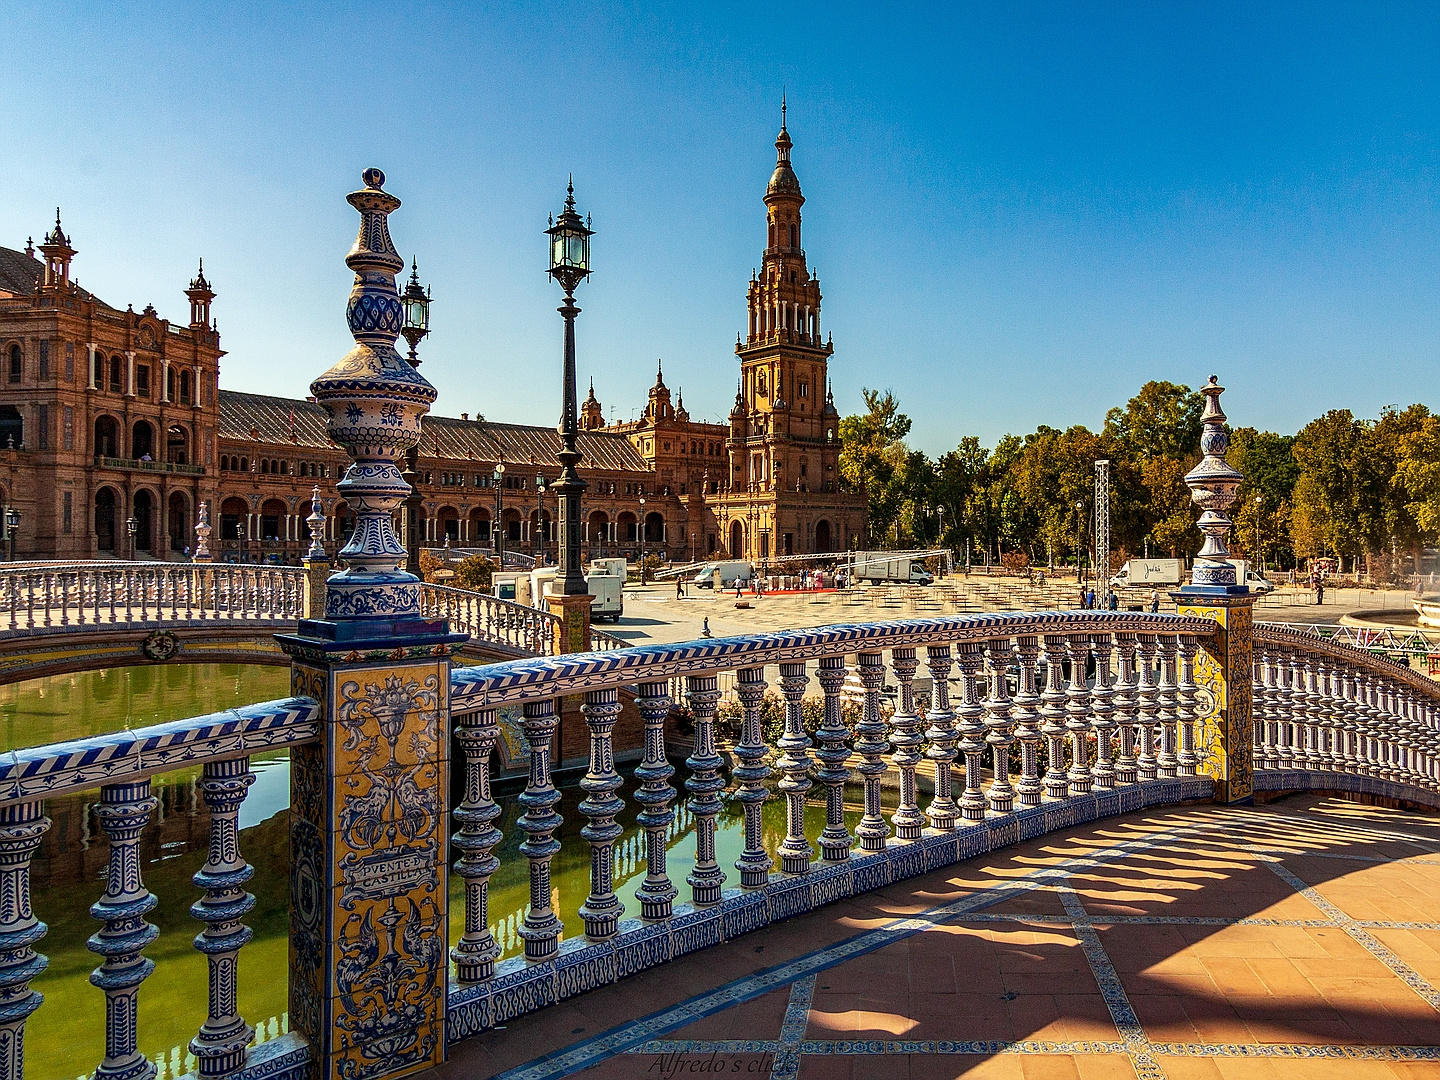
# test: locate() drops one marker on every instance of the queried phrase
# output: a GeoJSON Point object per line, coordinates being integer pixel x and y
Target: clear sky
{"type": "Point", "coordinates": [1019, 213]}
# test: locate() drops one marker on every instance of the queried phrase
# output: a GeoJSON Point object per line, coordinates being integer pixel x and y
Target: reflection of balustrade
{"type": "Point", "coordinates": [89, 595]}
{"type": "Point", "coordinates": [1326, 716]}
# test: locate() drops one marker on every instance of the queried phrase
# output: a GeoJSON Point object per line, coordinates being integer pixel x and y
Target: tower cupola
{"type": "Point", "coordinates": [200, 295]}
{"type": "Point", "coordinates": [592, 414]}
{"type": "Point", "coordinates": [57, 252]}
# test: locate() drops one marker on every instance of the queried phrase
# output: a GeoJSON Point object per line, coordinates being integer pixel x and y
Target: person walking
{"type": "Point", "coordinates": [1114, 600]}
{"type": "Point", "coordinates": [1319, 591]}
{"type": "Point", "coordinates": [1154, 601]}
{"type": "Point", "coordinates": [679, 588]}
{"type": "Point", "coordinates": [1082, 597]}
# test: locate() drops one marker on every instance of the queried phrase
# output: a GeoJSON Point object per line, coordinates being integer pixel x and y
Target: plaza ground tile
{"type": "Point", "coordinates": [759, 1018]}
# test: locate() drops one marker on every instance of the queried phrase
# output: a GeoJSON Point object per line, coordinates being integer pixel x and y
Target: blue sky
{"type": "Point", "coordinates": [1019, 213]}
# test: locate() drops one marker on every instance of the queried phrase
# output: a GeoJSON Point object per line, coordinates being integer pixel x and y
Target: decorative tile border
{"type": "Point", "coordinates": [1289, 780]}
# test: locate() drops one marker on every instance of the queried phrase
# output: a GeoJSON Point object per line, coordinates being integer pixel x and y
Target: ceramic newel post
{"type": "Point", "coordinates": [1222, 672]}
{"type": "Point", "coordinates": [368, 848]}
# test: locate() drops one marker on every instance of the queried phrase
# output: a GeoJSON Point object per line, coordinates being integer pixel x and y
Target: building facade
{"type": "Point", "coordinates": [114, 428]}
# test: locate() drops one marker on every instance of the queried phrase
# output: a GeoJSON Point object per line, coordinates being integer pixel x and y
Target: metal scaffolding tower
{"type": "Point", "coordinates": [1102, 530]}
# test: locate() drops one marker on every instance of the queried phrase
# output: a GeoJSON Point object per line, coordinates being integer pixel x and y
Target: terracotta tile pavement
{"type": "Point", "coordinates": [1191, 954]}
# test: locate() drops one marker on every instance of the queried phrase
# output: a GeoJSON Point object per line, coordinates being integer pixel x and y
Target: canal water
{"type": "Point", "coordinates": [65, 1039]}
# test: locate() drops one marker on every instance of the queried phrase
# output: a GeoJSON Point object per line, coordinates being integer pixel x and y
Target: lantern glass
{"type": "Point", "coordinates": [417, 312]}
{"type": "Point", "coordinates": [569, 248]}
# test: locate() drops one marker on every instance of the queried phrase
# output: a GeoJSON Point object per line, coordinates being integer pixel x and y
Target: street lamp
{"type": "Point", "coordinates": [1079, 538]}
{"type": "Point", "coordinates": [132, 527]}
{"type": "Point", "coordinates": [642, 540]}
{"type": "Point", "coordinates": [497, 532]}
{"type": "Point", "coordinates": [569, 265]}
{"type": "Point", "coordinates": [540, 517]}
{"type": "Point", "coordinates": [1259, 548]}
{"type": "Point", "coordinates": [12, 526]}
{"type": "Point", "coordinates": [415, 302]}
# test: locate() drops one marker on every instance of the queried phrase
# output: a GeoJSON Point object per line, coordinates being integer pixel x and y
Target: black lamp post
{"type": "Point", "coordinates": [415, 301]}
{"type": "Point", "coordinates": [497, 532]}
{"type": "Point", "coordinates": [1079, 540]}
{"type": "Point", "coordinates": [12, 526]}
{"type": "Point", "coordinates": [569, 265]}
{"type": "Point", "coordinates": [642, 540]}
{"type": "Point", "coordinates": [540, 517]}
{"type": "Point", "coordinates": [132, 526]}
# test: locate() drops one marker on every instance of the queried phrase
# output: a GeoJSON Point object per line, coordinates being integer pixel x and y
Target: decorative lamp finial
{"type": "Point", "coordinates": [316, 521]}
{"type": "Point", "coordinates": [1212, 486]}
{"type": "Point", "coordinates": [374, 400]}
{"type": "Point", "coordinates": [202, 533]}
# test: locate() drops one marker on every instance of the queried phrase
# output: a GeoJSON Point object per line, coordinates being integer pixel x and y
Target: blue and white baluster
{"type": "Point", "coordinates": [1028, 788]}
{"type": "Point", "coordinates": [21, 827]}
{"type": "Point", "coordinates": [870, 745]}
{"type": "Point", "coordinates": [971, 725]}
{"type": "Point", "coordinates": [794, 763]}
{"type": "Point", "coordinates": [1077, 715]}
{"type": "Point", "coordinates": [1167, 764]}
{"type": "Point", "coordinates": [476, 951]}
{"type": "Point", "coordinates": [752, 772]}
{"type": "Point", "coordinates": [542, 926]}
{"type": "Point", "coordinates": [656, 893]}
{"type": "Point", "coordinates": [219, 1046]}
{"type": "Point", "coordinates": [704, 784]}
{"type": "Point", "coordinates": [1146, 693]}
{"type": "Point", "coordinates": [1126, 766]}
{"type": "Point", "coordinates": [602, 909]}
{"type": "Point", "coordinates": [1052, 709]}
{"type": "Point", "coordinates": [123, 811]}
{"type": "Point", "coordinates": [1000, 729]}
{"type": "Point", "coordinates": [1102, 712]}
{"type": "Point", "coordinates": [906, 739]}
{"type": "Point", "coordinates": [1185, 691]}
{"type": "Point", "coordinates": [833, 753]}
{"type": "Point", "coordinates": [942, 734]}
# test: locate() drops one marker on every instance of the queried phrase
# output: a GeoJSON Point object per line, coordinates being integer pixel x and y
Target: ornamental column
{"type": "Point", "coordinates": [369, 928]}
{"type": "Point", "coordinates": [1225, 726]}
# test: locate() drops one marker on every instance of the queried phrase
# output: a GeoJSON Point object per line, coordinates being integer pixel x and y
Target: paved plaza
{"type": "Point", "coordinates": [1299, 939]}
{"type": "Point", "coordinates": [654, 615]}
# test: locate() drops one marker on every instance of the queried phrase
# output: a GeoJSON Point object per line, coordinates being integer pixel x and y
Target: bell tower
{"type": "Point", "coordinates": [784, 360]}
{"type": "Point", "coordinates": [58, 253]}
{"type": "Point", "coordinates": [200, 295]}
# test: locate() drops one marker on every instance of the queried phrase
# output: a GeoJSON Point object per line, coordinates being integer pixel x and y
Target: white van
{"type": "Point", "coordinates": [605, 587]}
{"type": "Point", "coordinates": [730, 573]}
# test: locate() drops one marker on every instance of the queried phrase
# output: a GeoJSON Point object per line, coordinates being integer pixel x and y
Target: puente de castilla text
{"type": "Point", "coordinates": [1036, 722]}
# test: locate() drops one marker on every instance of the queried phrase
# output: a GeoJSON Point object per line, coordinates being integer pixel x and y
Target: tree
{"type": "Point", "coordinates": [1171, 512]}
{"type": "Point", "coordinates": [1418, 475]}
{"type": "Point", "coordinates": [875, 460]}
{"type": "Point", "coordinates": [1162, 420]}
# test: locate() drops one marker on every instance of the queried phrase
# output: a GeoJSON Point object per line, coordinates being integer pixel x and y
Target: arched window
{"type": "Point", "coordinates": [100, 375]}
{"type": "Point", "coordinates": [794, 236]}
{"type": "Point", "coordinates": [772, 234]}
{"type": "Point", "coordinates": [17, 363]}
{"type": "Point", "coordinates": [264, 465]}
{"type": "Point", "coordinates": [117, 373]}
{"type": "Point", "coordinates": [185, 387]}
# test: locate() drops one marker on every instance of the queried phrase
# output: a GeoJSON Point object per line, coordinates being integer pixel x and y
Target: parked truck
{"type": "Point", "coordinates": [603, 584]}
{"type": "Point", "coordinates": [1149, 573]}
{"type": "Point", "coordinates": [729, 573]}
{"type": "Point", "coordinates": [884, 566]}
{"type": "Point", "coordinates": [1245, 574]}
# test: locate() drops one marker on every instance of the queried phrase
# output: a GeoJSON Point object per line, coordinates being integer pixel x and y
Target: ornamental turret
{"type": "Point", "coordinates": [1213, 484]}
{"type": "Point", "coordinates": [57, 252]}
{"type": "Point", "coordinates": [592, 413]}
{"type": "Point", "coordinates": [200, 295]}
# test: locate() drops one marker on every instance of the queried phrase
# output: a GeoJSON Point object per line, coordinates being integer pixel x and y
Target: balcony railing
{"type": "Point", "coordinates": [1101, 710]}
{"type": "Point", "coordinates": [149, 466]}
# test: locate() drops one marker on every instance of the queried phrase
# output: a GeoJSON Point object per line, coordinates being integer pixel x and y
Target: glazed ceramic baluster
{"type": "Point", "coordinates": [706, 880]}
{"type": "Point", "coordinates": [870, 745]}
{"type": "Point", "coordinates": [1077, 714]}
{"type": "Point", "coordinates": [1325, 715]}
{"type": "Point", "coordinates": [1028, 788]}
{"type": "Point", "coordinates": [1146, 696]}
{"type": "Point", "coordinates": [476, 951]}
{"type": "Point", "coordinates": [219, 1047]}
{"type": "Point", "coordinates": [22, 825]}
{"type": "Point", "coordinates": [941, 733]}
{"type": "Point", "coordinates": [1102, 710]}
{"type": "Point", "coordinates": [794, 762]}
{"type": "Point", "coordinates": [1001, 729]}
{"type": "Point", "coordinates": [1185, 689]}
{"type": "Point", "coordinates": [833, 754]}
{"type": "Point", "coordinates": [602, 909]}
{"type": "Point", "coordinates": [750, 775]}
{"type": "Point", "coordinates": [1052, 709]}
{"type": "Point", "coordinates": [1299, 710]}
{"type": "Point", "coordinates": [656, 893]}
{"type": "Point", "coordinates": [541, 930]}
{"type": "Point", "coordinates": [1264, 691]}
{"type": "Point", "coordinates": [1166, 762]}
{"type": "Point", "coordinates": [906, 739]}
{"type": "Point", "coordinates": [972, 731]}
{"type": "Point", "coordinates": [123, 811]}
{"type": "Point", "coordinates": [1126, 767]}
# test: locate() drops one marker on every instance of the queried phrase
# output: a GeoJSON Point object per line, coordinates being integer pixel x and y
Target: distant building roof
{"type": "Point", "coordinates": [266, 419]}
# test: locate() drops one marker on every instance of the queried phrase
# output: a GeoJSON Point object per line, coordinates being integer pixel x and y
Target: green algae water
{"type": "Point", "coordinates": [65, 1038]}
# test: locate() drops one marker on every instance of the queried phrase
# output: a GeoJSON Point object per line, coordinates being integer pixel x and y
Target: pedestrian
{"type": "Point", "coordinates": [1090, 600]}
{"type": "Point", "coordinates": [738, 593]}
{"type": "Point", "coordinates": [1320, 591]}
{"type": "Point", "coordinates": [187, 552]}
{"type": "Point", "coordinates": [1082, 597]}
{"type": "Point", "coordinates": [679, 588]}
{"type": "Point", "coordinates": [1042, 579]}
{"type": "Point", "coordinates": [1114, 600]}
{"type": "Point", "coordinates": [1154, 601]}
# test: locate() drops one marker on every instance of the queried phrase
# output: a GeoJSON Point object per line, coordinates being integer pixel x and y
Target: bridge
{"type": "Point", "coordinates": [1090, 787]}
{"type": "Point", "coordinates": [92, 615]}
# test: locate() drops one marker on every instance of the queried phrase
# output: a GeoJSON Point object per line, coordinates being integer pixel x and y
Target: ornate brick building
{"type": "Point", "coordinates": [109, 417]}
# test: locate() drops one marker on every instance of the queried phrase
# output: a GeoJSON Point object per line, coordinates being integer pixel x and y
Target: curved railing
{"type": "Point", "coordinates": [501, 622]}
{"type": "Point", "coordinates": [37, 597]}
{"type": "Point", "coordinates": [1331, 715]}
